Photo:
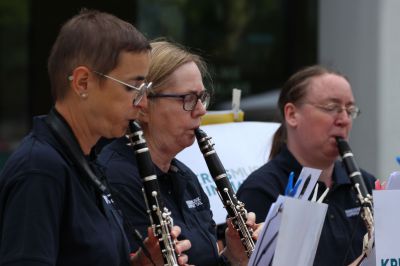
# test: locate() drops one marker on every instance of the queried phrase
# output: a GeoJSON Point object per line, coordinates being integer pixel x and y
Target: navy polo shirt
{"type": "Point", "coordinates": [182, 195]}
{"type": "Point", "coordinates": [49, 214]}
{"type": "Point", "coordinates": [343, 230]}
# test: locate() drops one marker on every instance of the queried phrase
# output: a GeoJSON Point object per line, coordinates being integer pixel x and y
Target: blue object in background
{"type": "Point", "coordinates": [290, 190]}
{"type": "Point", "coordinates": [398, 159]}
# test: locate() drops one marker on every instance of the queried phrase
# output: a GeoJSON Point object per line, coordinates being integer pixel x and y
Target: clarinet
{"type": "Point", "coordinates": [362, 192]}
{"type": "Point", "coordinates": [160, 216]}
{"type": "Point", "coordinates": [234, 207]}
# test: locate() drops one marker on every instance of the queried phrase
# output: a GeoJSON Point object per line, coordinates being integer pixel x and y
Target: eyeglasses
{"type": "Point", "coordinates": [335, 109]}
{"type": "Point", "coordinates": [142, 89]}
{"type": "Point", "coordinates": [189, 99]}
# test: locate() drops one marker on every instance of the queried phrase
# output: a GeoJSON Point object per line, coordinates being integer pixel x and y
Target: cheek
{"type": "Point", "coordinates": [161, 121]}
{"type": "Point", "coordinates": [174, 119]}
{"type": "Point", "coordinates": [180, 130]}
{"type": "Point", "coordinates": [121, 110]}
{"type": "Point", "coordinates": [315, 130]}
{"type": "Point", "coordinates": [350, 126]}
{"type": "Point", "coordinates": [118, 101]}
{"type": "Point", "coordinates": [322, 124]}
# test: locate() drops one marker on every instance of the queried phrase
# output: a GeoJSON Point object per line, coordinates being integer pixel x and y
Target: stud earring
{"type": "Point", "coordinates": [83, 95]}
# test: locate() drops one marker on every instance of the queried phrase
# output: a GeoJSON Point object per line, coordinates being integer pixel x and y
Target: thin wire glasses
{"type": "Point", "coordinates": [335, 109]}
{"type": "Point", "coordinates": [142, 89]}
{"type": "Point", "coordinates": [189, 99]}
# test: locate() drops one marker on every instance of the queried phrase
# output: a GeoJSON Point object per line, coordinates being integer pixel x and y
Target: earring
{"type": "Point", "coordinates": [83, 95]}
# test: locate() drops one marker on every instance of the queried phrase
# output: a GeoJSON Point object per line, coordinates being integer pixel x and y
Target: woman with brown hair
{"type": "Point", "coordinates": [55, 204]}
{"type": "Point", "coordinates": [316, 106]}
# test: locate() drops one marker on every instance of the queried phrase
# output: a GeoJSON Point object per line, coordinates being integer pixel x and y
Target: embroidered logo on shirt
{"type": "Point", "coordinates": [352, 212]}
{"type": "Point", "coordinates": [194, 203]}
{"type": "Point", "coordinates": [106, 199]}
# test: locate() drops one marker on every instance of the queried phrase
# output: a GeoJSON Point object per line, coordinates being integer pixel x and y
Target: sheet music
{"type": "Point", "coordinates": [292, 227]}
{"type": "Point", "coordinates": [299, 232]}
{"type": "Point", "coordinates": [265, 246]}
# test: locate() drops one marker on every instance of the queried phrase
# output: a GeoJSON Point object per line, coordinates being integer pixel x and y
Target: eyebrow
{"type": "Point", "coordinates": [336, 100]}
{"type": "Point", "coordinates": [192, 91]}
{"type": "Point", "coordinates": [138, 78]}
{"type": "Point", "coordinates": [197, 92]}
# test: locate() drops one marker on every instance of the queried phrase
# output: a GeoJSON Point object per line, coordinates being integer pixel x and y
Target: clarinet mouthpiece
{"type": "Point", "coordinates": [199, 133]}
{"type": "Point", "coordinates": [343, 145]}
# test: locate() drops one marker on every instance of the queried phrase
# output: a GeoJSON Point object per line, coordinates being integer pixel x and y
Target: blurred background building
{"type": "Point", "coordinates": [250, 45]}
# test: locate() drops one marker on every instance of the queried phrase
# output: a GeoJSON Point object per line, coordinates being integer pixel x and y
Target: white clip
{"type": "Point", "coordinates": [236, 93]}
{"type": "Point", "coordinates": [314, 197]}
{"type": "Point", "coordinates": [321, 199]}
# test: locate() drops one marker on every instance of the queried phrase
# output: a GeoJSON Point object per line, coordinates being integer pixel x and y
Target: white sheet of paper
{"type": "Point", "coordinates": [265, 246]}
{"type": "Point", "coordinates": [290, 234]}
{"type": "Point", "coordinates": [299, 232]}
{"type": "Point", "coordinates": [305, 172]}
{"type": "Point", "coordinates": [370, 260]}
{"type": "Point", "coordinates": [387, 233]}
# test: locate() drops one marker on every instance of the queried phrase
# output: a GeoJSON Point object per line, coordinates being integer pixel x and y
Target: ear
{"type": "Point", "coordinates": [291, 114]}
{"type": "Point", "coordinates": [80, 81]}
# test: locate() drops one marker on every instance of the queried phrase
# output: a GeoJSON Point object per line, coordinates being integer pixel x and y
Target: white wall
{"type": "Point", "coordinates": [361, 38]}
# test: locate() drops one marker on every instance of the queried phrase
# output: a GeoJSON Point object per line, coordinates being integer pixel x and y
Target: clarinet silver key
{"type": "Point", "coordinates": [236, 209]}
{"type": "Point", "coordinates": [160, 216]}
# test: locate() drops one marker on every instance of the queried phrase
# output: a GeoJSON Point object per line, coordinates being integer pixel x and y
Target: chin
{"type": "Point", "coordinates": [117, 134]}
{"type": "Point", "coordinates": [187, 143]}
{"type": "Point", "coordinates": [333, 155]}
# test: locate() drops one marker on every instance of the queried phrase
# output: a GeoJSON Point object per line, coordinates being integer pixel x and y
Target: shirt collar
{"type": "Point", "coordinates": [173, 169]}
{"type": "Point", "coordinates": [340, 176]}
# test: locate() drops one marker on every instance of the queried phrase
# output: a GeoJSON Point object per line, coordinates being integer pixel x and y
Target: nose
{"type": "Point", "coordinates": [199, 109]}
{"type": "Point", "coordinates": [142, 103]}
{"type": "Point", "coordinates": [343, 118]}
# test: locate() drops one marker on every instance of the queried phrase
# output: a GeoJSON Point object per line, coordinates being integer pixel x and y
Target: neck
{"type": "Point", "coordinates": [326, 176]}
{"type": "Point", "coordinates": [306, 158]}
{"type": "Point", "coordinates": [79, 125]}
{"type": "Point", "coordinates": [307, 161]}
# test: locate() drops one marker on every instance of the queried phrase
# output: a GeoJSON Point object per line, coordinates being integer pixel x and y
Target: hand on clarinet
{"type": "Point", "coordinates": [251, 222]}
{"type": "Point", "coordinates": [234, 250]}
{"type": "Point", "coordinates": [152, 245]}
{"type": "Point", "coordinates": [357, 261]}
